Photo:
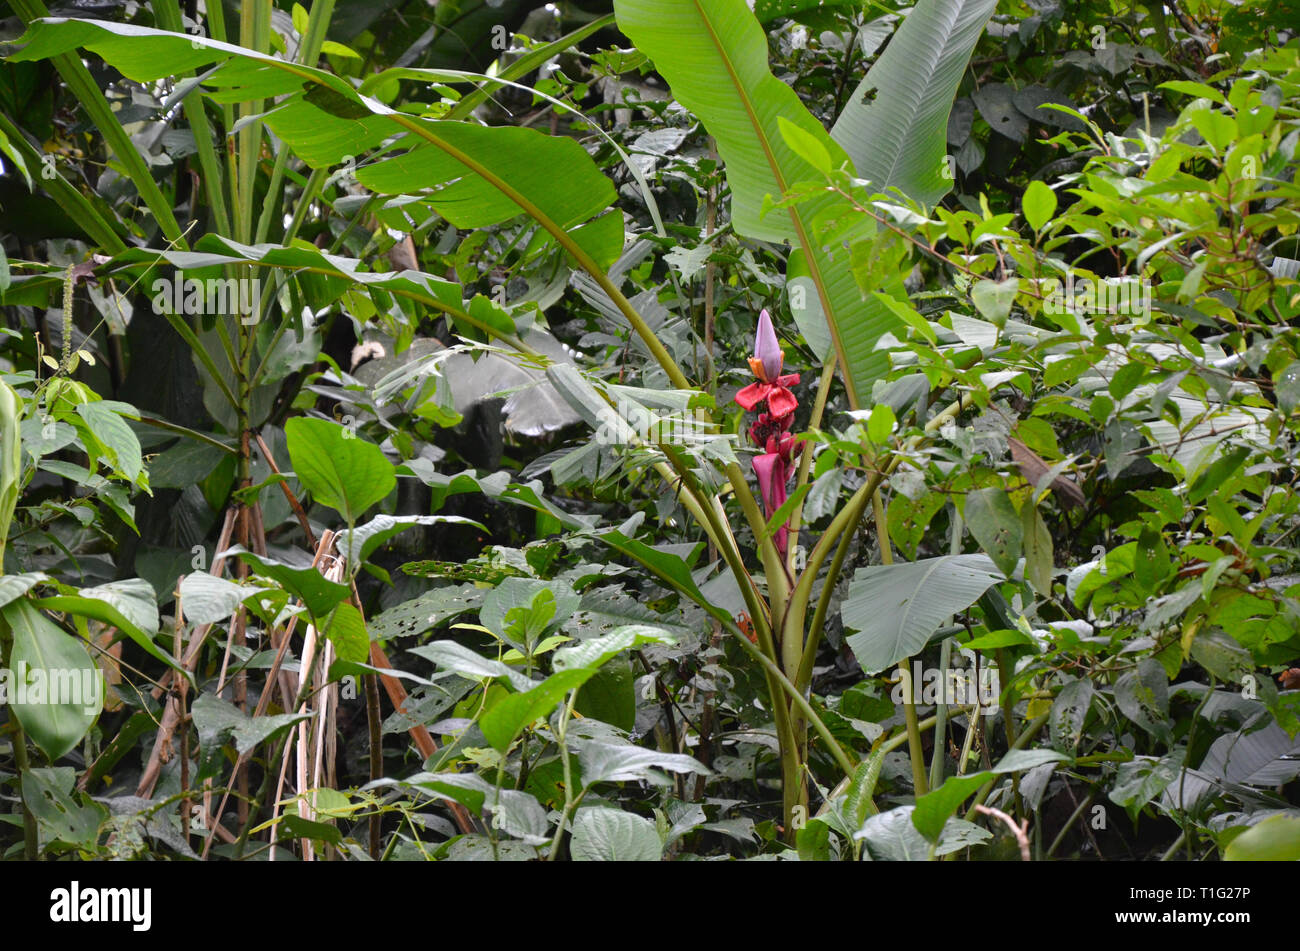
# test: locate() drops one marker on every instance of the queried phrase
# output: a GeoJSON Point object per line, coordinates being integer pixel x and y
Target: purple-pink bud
{"type": "Point", "coordinates": [767, 350]}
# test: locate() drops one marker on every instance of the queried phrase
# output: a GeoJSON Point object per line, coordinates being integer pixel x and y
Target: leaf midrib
{"type": "Point", "coordinates": [810, 252]}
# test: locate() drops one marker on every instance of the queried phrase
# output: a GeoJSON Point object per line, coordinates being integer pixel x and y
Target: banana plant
{"type": "Point", "coordinates": [427, 159]}
{"type": "Point", "coordinates": [714, 57]}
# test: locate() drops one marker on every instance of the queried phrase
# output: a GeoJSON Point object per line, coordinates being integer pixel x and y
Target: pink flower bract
{"type": "Point", "coordinates": [780, 401]}
{"type": "Point", "coordinates": [768, 356]}
{"type": "Point", "coordinates": [771, 432]}
{"type": "Point", "coordinates": [773, 472]}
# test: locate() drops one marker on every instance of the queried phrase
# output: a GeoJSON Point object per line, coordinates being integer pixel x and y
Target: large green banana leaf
{"type": "Point", "coordinates": [714, 55]}
{"type": "Point", "coordinates": [471, 175]}
{"type": "Point", "coordinates": [898, 137]}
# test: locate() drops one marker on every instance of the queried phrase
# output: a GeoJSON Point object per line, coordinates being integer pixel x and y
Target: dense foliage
{"type": "Point", "coordinates": [658, 429]}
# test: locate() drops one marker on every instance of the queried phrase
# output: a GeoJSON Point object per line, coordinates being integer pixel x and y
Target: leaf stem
{"type": "Point", "coordinates": [570, 801]}
{"type": "Point", "coordinates": [21, 764]}
{"type": "Point", "coordinates": [564, 239]}
{"type": "Point", "coordinates": [805, 458]}
{"type": "Point", "coordinates": [833, 746]}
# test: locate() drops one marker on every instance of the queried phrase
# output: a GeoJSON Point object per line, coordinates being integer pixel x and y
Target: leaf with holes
{"type": "Point", "coordinates": [1142, 695]}
{"type": "Point", "coordinates": [993, 521]}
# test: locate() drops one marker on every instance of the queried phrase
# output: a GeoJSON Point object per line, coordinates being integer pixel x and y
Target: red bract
{"type": "Point", "coordinates": [773, 471]}
{"type": "Point", "coordinates": [771, 431]}
{"type": "Point", "coordinates": [780, 401]}
{"type": "Point", "coordinates": [771, 434]}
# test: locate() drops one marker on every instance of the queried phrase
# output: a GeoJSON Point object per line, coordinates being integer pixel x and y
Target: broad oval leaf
{"type": "Point", "coordinates": [346, 630]}
{"type": "Point", "coordinates": [502, 723]}
{"type": "Point", "coordinates": [612, 835]}
{"type": "Point", "coordinates": [339, 469]}
{"type": "Point", "coordinates": [51, 684]}
{"type": "Point", "coordinates": [895, 608]}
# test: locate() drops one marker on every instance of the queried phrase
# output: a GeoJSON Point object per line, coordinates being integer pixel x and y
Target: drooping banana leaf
{"type": "Point", "coordinates": [472, 175]}
{"type": "Point", "coordinates": [898, 136]}
{"type": "Point", "coordinates": [714, 55]}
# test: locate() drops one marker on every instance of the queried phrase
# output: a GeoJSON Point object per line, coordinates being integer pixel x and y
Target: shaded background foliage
{"type": "Point", "coordinates": [1129, 663]}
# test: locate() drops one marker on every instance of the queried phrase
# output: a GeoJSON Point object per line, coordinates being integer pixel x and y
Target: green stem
{"type": "Point", "coordinates": [764, 630]}
{"type": "Point", "coordinates": [1074, 816]}
{"type": "Point", "coordinates": [521, 67]}
{"type": "Point", "coordinates": [254, 34]}
{"type": "Point", "coordinates": [792, 626]}
{"type": "Point", "coordinates": [886, 746]}
{"type": "Point", "coordinates": [762, 627]}
{"type": "Point", "coordinates": [565, 240]}
{"type": "Point", "coordinates": [308, 52]}
{"type": "Point", "coordinates": [1186, 820]}
{"type": "Point", "coordinates": [1029, 732]}
{"type": "Point", "coordinates": [882, 528]}
{"type": "Point", "coordinates": [941, 718]}
{"type": "Point", "coordinates": [201, 352]}
{"type": "Point", "coordinates": [217, 27]}
{"type": "Point", "coordinates": [168, 13]}
{"type": "Point", "coordinates": [21, 763]}
{"type": "Point", "coordinates": [1173, 849]}
{"type": "Point", "coordinates": [972, 721]}
{"type": "Point", "coordinates": [186, 432]}
{"type": "Point", "coordinates": [841, 758]}
{"type": "Point", "coordinates": [805, 458]}
{"type": "Point", "coordinates": [455, 312]}
{"type": "Point", "coordinates": [914, 750]}
{"type": "Point", "coordinates": [777, 681]}
{"type": "Point", "coordinates": [846, 521]}
{"type": "Point", "coordinates": [818, 626]}
{"type": "Point", "coordinates": [945, 658]}
{"type": "Point", "coordinates": [315, 181]}
{"type": "Point", "coordinates": [570, 801]}
{"type": "Point", "coordinates": [772, 565]}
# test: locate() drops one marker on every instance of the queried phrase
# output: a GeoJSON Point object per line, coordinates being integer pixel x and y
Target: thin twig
{"type": "Point", "coordinates": [1019, 831]}
{"type": "Point", "coordinates": [169, 720]}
